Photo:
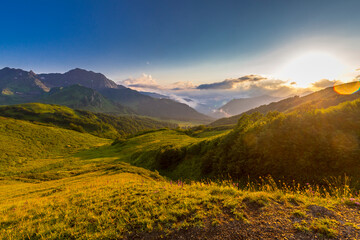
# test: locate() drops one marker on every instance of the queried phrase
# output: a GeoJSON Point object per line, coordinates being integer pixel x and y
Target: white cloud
{"type": "Point", "coordinates": [324, 83]}
{"type": "Point", "coordinates": [231, 83]}
{"type": "Point", "coordinates": [147, 83]}
{"type": "Point", "coordinates": [144, 82]}
{"type": "Point", "coordinates": [208, 97]}
{"type": "Point", "coordinates": [182, 86]}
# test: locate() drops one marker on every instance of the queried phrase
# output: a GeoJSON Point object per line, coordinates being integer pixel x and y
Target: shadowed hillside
{"type": "Point", "coordinates": [83, 98]}
{"type": "Point", "coordinates": [237, 106]}
{"type": "Point", "coordinates": [154, 107]}
{"type": "Point", "coordinates": [18, 86]}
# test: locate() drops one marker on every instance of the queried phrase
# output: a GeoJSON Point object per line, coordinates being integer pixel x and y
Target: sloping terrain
{"type": "Point", "coordinates": [90, 195]}
{"type": "Point", "coordinates": [18, 86]}
{"type": "Point", "coordinates": [83, 98]}
{"type": "Point", "coordinates": [124, 202]}
{"type": "Point", "coordinates": [160, 150]}
{"type": "Point", "coordinates": [97, 124]}
{"type": "Point", "coordinates": [22, 141]}
{"type": "Point", "coordinates": [17, 81]}
{"type": "Point", "coordinates": [307, 146]}
{"type": "Point", "coordinates": [321, 99]}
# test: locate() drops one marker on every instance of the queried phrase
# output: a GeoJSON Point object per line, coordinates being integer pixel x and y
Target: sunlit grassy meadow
{"type": "Point", "coordinates": [93, 188]}
{"type": "Point", "coordinates": [118, 200]}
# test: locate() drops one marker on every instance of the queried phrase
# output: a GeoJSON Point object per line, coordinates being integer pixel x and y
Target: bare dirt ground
{"type": "Point", "coordinates": [275, 221]}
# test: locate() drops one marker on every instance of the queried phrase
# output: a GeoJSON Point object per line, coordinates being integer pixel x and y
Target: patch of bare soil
{"type": "Point", "coordinates": [274, 221]}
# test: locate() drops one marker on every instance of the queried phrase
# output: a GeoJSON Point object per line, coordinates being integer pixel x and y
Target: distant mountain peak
{"type": "Point", "coordinates": [81, 70]}
{"type": "Point", "coordinates": [31, 73]}
{"type": "Point", "coordinates": [8, 70]}
{"type": "Point", "coordinates": [80, 76]}
{"type": "Point", "coordinates": [5, 69]}
{"type": "Point", "coordinates": [20, 82]}
{"type": "Point", "coordinates": [85, 73]}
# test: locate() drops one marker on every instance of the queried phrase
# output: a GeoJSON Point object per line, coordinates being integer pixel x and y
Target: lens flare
{"type": "Point", "coordinates": [348, 88]}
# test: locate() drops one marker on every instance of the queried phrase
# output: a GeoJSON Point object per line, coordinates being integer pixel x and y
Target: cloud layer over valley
{"type": "Point", "coordinates": [207, 98]}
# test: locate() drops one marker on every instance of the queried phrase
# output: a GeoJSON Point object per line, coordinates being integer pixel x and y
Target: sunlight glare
{"type": "Point", "coordinates": [312, 67]}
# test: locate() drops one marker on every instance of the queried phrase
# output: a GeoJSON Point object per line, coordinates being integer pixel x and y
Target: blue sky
{"type": "Point", "coordinates": [199, 41]}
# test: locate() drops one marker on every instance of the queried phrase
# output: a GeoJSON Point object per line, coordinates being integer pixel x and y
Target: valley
{"type": "Point", "coordinates": [95, 181]}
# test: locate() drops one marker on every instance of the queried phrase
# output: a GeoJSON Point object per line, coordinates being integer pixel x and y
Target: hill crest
{"type": "Point", "coordinates": [321, 99]}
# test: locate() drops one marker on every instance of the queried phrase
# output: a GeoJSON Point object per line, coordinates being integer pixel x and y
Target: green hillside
{"type": "Point", "coordinates": [305, 146]}
{"type": "Point", "coordinates": [97, 124]}
{"type": "Point", "coordinates": [95, 195]}
{"type": "Point", "coordinates": [157, 150]}
{"type": "Point", "coordinates": [23, 142]}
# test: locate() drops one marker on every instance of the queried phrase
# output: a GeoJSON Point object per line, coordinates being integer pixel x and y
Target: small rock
{"type": "Point", "coordinates": [319, 211]}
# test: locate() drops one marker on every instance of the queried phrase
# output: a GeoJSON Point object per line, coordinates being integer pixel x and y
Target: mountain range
{"type": "Point", "coordinates": [87, 90]}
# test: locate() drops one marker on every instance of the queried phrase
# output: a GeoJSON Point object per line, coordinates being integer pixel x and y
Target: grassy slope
{"type": "Point", "coordinates": [142, 151]}
{"type": "Point", "coordinates": [308, 146]}
{"type": "Point", "coordinates": [95, 195]}
{"type": "Point", "coordinates": [305, 145]}
{"type": "Point", "coordinates": [24, 140]}
{"type": "Point", "coordinates": [98, 124]}
{"type": "Point", "coordinates": [26, 146]}
{"type": "Point", "coordinates": [118, 200]}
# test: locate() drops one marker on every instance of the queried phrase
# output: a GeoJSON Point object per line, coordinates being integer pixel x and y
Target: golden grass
{"type": "Point", "coordinates": [96, 195]}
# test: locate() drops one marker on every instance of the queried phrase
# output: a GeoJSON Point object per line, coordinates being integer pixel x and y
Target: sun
{"type": "Point", "coordinates": [311, 67]}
